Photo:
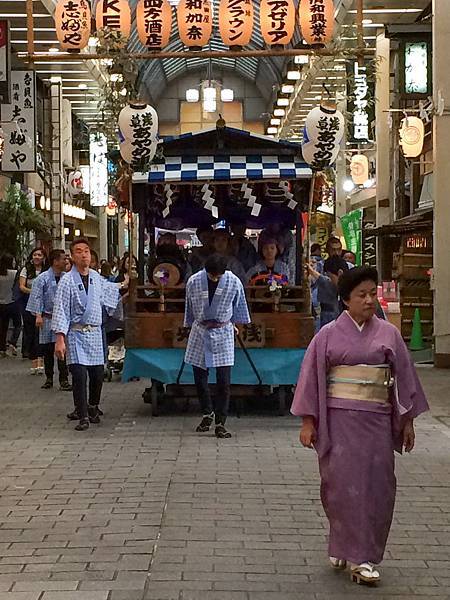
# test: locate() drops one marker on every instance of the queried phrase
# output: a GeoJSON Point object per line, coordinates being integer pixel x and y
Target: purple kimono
{"type": "Point", "coordinates": [356, 439]}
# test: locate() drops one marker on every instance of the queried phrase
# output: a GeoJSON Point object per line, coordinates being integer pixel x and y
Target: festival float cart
{"type": "Point", "coordinates": [230, 175]}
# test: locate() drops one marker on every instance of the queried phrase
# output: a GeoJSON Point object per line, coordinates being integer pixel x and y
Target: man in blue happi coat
{"type": "Point", "coordinates": [40, 304]}
{"type": "Point", "coordinates": [215, 302]}
{"type": "Point", "coordinates": [77, 322]}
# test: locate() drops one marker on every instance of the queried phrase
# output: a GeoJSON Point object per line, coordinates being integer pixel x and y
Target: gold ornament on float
{"type": "Point", "coordinates": [236, 22]}
{"type": "Point", "coordinates": [359, 169]}
{"type": "Point", "coordinates": [412, 132]}
{"type": "Point", "coordinates": [154, 23]}
{"type": "Point", "coordinates": [277, 18]}
{"type": "Point", "coordinates": [114, 15]}
{"type": "Point", "coordinates": [73, 24]}
{"type": "Point", "coordinates": [316, 21]}
{"type": "Point", "coordinates": [195, 22]}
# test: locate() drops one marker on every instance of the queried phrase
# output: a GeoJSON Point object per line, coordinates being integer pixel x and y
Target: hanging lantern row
{"type": "Point", "coordinates": [138, 126]}
{"type": "Point", "coordinates": [322, 136]}
{"type": "Point", "coordinates": [195, 22]}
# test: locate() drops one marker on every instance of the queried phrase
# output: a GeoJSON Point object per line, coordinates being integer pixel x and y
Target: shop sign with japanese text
{"type": "Point", "coordinates": [98, 183]}
{"type": "Point", "coordinates": [19, 124]}
{"type": "Point", "coordinates": [360, 94]}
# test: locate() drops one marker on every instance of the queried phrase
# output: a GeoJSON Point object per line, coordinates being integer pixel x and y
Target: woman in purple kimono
{"type": "Point", "coordinates": [358, 394]}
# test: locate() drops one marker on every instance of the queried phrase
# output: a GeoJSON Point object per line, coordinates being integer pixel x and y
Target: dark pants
{"type": "Point", "coordinates": [79, 385]}
{"type": "Point", "coordinates": [16, 319]}
{"type": "Point", "coordinates": [49, 364]}
{"type": "Point", "coordinates": [222, 399]}
{"type": "Point", "coordinates": [6, 313]}
{"type": "Point", "coordinates": [30, 341]}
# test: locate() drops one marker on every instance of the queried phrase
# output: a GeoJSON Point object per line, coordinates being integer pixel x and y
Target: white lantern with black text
{"type": "Point", "coordinates": [359, 169]}
{"type": "Point", "coordinates": [412, 132]}
{"type": "Point", "coordinates": [323, 133]}
{"type": "Point", "coordinates": [138, 125]}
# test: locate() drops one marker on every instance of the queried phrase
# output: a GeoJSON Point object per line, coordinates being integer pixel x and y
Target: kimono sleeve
{"type": "Point", "coordinates": [62, 307]}
{"type": "Point", "coordinates": [240, 308]}
{"type": "Point", "coordinates": [35, 303]}
{"type": "Point", "coordinates": [188, 311]}
{"type": "Point", "coordinates": [408, 389]}
{"type": "Point", "coordinates": [111, 300]}
{"type": "Point", "coordinates": [306, 397]}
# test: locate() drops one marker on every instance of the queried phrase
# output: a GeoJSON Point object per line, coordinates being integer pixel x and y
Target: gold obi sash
{"type": "Point", "coordinates": [360, 382]}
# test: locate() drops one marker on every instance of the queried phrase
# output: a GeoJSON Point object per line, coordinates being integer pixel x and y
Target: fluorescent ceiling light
{"type": "Point", "coordinates": [82, 86]}
{"type": "Point", "coordinates": [54, 62]}
{"type": "Point", "coordinates": [272, 130]}
{"type": "Point", "coordinates": [66, 72]}
{"type": "Point", "coordinates": [52, 29]}
{"type": "Point", "coordinates": [367, 21]}
{"type": "Point", "coordinates": [283, 102]}
{"type": "Point", "coordinates": [279, 112]}
{"type": "Point", "coordinates": [23, 15]}
{"type": "Point", "coordinates": [46, 42]}
{"type": "Point", "coordinates": [301, 59]}
{"type": "Point", "coordinates": [55, 79]}
{"type": "Point", "coordinates": [287, 88]}
{"type": "Point", "coordinates": [293, 75]}
{"type": "Point", "coordinates": [375, 11]}
{"type": "Point", "coordinates": [275, 121]}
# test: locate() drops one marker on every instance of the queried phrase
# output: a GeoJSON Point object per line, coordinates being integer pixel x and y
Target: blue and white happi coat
{"type": "Point", "coordinates": [213, 347]}
{"type": "Point", "coordinates": [41, 301]}
{"type": "Point", "coordinates": [74, 307]}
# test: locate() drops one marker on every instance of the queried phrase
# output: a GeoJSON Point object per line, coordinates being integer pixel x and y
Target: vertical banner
{"type": "Point", "coordinates": [98, 181]}
{"type": "Point", "coordinates": [352, 228]}
{"type": "Point", "coordinates": [4, 62]}
{"type": "Point", "coordinates": [360, 106]}
{"type": "Point", "coordinates": [19, 124]}
{"type": "Point", "coordinates": [369, 240]}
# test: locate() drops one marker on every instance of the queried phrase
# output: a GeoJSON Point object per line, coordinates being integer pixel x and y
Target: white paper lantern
{"type": "Point", "coordinates": [227, 95]}
{"type": "Point", "coordinates": [73, 24]}
{"type": "Point", "coordinates": [75, 183]}
{"type": "Point", "coordinates": [359, 169]}
{"type": "Point", "coordinates": [412, 132]}
{"type": "Point", "coordinates": [192, 95]}
{"type": "Point", "coordinates": [318, 158]}
{"type": "Point", "coordinates": [324, 118]}
{"type": "Point", "coordinates": [138, 125]}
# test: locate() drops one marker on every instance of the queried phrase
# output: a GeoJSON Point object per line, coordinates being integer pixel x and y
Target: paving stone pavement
{"type": "Point", "coordinates": [145, 509]}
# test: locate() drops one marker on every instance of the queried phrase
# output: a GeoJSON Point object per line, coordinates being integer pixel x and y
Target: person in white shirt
{"type": "Point", "coordinates": [7, 278]}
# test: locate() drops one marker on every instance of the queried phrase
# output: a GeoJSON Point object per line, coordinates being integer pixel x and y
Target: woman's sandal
{"type": "Point", "coordinates": [364, 573]}
{"type": "Point", "coordinates": [338, 563]}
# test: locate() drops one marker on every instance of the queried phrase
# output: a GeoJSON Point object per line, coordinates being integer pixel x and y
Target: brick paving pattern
{"type": "Point", "coordinates": [145, 509]}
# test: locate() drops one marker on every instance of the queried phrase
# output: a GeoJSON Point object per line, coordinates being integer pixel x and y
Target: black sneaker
{"type": "Point", "coordinates": [94, 417]}
{"type": "Point", "coordinates": [100, 412]}
{"type": "Point", "coordinates": [221, 432]}
{"type": "Point", "coordinates": [65, 386]}
{"type": "Point", "coordinates": [47, 385]}
{"type": "Point", "coordinates": [83, 425]}
{"type": "Point", "coordinates": [73, 416]}
{"type": "Point", "coordinates": [205, 424]}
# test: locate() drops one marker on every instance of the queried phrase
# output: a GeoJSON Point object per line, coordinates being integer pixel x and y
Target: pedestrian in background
{"type": "Point", "coordinates": [40, 304]}
{"type": "Point", "coordinates": [7, 278]}
{"type": "Point", "coordinates": [358, 394]}
{"type": "Point", "coordinates": [35, 265]}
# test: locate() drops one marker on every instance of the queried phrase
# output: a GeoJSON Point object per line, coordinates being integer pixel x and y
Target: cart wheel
{"type": "Point", "coordinates": [147, 396]}
{"type": "Point", "coordinates": [282, 400]}
{"type": "Point", "coordinates": [154, 393]}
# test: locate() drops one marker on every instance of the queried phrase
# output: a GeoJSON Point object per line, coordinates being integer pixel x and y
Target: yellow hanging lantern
{"type": "Point", "coordinates": [277, 18]}
{"type": "Point", "coordinates": [236, 22]}
{"type": "Point", "coordinates": [412, 132]}
{"type": "Point", "coordinates": [359, 169]}
{"type": "Point", "coordinates": [154, 23]}
{"type": "Point", "coordinates": [115, 15]}
{"type": "Point", "coordinates": [73, 24]}
{"type": "Point", "coordinates": [317, 21]}
{"type": "Point", "coordinates": [195, 22]}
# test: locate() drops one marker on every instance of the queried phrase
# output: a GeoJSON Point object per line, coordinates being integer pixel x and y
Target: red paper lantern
{"type": "Point", "coordinates": [114, 14]}
{"type": "Point", "coordinates": [236, 22]}
{"type": "Point", "coordinates": [277, 19]}
{"type": "Point", "coordinates": [316, 21]}
{"type": "Point", "coordinates": [154, 23]}
{"type": "Point", "coordinates": [194, 22]}
{"type": "Point", "coordinates": [73, 24]}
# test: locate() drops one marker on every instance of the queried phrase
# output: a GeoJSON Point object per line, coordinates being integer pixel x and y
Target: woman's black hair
{"type": "Point", "coordinates": [6, 262]}
{"type": "Point", "coordinates": [29, 265]}
{"type": "Point", "coordinates": [354, 277]}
